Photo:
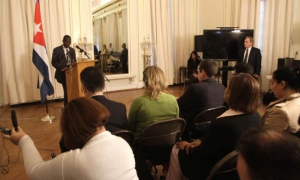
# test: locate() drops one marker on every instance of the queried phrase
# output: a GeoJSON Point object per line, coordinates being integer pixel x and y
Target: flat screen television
{"type": "Point", "coordinates": [224, 44]}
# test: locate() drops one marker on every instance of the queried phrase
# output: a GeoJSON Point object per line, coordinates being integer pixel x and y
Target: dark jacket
{"type": "Point", "coordinates": [118, 118]}
{"type": "Point", "coordinates": [197, 98]}
{"type": "Point", "coordinates": [59, 62]}
{"type": "Point", "coordinates": [254, 59]}
{"type": "Point", "coordinates": [192, 66]}
{"type": "Point", "coordinates": [220, 140]}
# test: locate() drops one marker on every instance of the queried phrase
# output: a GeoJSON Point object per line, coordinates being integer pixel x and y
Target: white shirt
{"type": "Point", "coordinates": [110, 49]}
{"type": "Point", "coordinates": [104, 156]}
{"type": "Point", "coordinates": [65, 49]}
{"type": "Point", "coordinates": [230, 112]}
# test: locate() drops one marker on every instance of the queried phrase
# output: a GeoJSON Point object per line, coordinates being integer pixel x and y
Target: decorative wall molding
{"type": "Point", "coordinates": [112, 7]}
{"type": "Point", "coordinates": [119, 13]}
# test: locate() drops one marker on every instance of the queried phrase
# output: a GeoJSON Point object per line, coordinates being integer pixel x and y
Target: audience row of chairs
{"type": "Point", "coordinates": [157, 140]}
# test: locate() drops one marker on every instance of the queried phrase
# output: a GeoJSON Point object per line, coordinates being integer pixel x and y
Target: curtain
{"type": "Point", "coordinates": [112, 28]}
{"type": "Point", "coordinates": [277, 36]}
{"type": "Point", "coordinates": [122, 28]}
{"type": "Point", "coordinates": [173, 25]}
{"type": "Point", "coordinates": [161, 33]}
{"type": "Point", "coordinates": [109, 30]}
{"type": "Point", "coordinates": [246, 14]}
{"type": "Point", "coordinates": [184, 28]}
{"type": "Point", "coordinates": [18, 74]}
{"type": "Point", "coordinates": [97, 32]}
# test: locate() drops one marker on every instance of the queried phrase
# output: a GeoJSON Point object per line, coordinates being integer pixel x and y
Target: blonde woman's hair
{"type": "Point", "coordinates": [155, 81]}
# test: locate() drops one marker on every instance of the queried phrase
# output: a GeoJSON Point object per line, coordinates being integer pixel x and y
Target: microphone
{"type": "Point", "coordinates": [14, 119]}
{"type": "Point", "coordinates": [81, 50]}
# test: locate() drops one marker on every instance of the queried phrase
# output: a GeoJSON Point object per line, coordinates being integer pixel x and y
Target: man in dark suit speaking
{"type": "Point", "coordinates": [62, 57]}
{"type": "Point", "coordinates": [250, 55]}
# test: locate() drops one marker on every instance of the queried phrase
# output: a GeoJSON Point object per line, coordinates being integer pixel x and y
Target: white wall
{"type": "Point", "coordinates": [295, 40]}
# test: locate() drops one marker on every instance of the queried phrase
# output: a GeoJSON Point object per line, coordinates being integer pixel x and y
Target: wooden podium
{"type": "Point", "coordinates": [73, 78]}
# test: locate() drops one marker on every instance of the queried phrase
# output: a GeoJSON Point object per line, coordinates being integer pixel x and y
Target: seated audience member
{"type": "Point", "coordinates": [115, 59]}
{"type": "Point", "coordinates": [93, 84]}
{"type": "Point", "coordinates": [201, 96]}
{"type": "Point", "coordinates": [269, 155]}
{"type": "Point", "coordinates": [192, 65]}
{"type": "Point", "coordinates": [94, 151]}
{"type": "Point", "coordinates": [243, 68]}
{"type": "Point", "coordinates": [196, 159]}
{"type": "Point", "coordinates": [155, 105]}
{"type": "Point", "coordinates": [110, 48]}
{"type": "Point", "coordinates": [283, 113]}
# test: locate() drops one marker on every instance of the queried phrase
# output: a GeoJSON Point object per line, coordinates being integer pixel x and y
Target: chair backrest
{"type": "Point", "coordinates": [209, 115]}
{"type": "Point", "coordinates": [163, 132]}
{"type": "Point", "coordinates": [202, 121]}
{"type": "Point", "coordinates": [116, 54]}
{"type": "Point", "coordinates": [126, 135]}
{"type": "Point", "coordinates": [157, 139]}
{"type": "Point", "coordinates": [225, 168]}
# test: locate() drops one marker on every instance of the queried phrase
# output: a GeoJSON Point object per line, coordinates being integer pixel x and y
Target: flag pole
{"type": "Point", "coordinates": [47, 117]}
{"type": "Point", "coordinates": [41, 61]}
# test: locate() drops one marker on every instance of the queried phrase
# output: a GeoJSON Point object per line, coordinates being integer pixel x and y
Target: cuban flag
{"type": "Point", "coordinates": [39, 56]}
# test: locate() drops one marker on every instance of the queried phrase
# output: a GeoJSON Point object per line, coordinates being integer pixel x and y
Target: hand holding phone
{"type": "Point", "coordinates": [16, 133]}
{"type": "Point", "coordinates": [5, 130]}
{"type": "Point", "coordinates": [14, 121]}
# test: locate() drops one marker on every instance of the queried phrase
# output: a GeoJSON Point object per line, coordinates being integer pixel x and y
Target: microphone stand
{"type": "Point", "coordinates": [85, 53]}
{"type": "Point", "coordinates": [47, 117]}
{"type": "Point", "coordinates": [106, 78]}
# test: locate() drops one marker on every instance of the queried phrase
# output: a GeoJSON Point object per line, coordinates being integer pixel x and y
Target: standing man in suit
{"type": "Point", "coordinates": [93, 84]}
{"type": "Point", "coordinates": [63, 56]}
{"type": "Point", "coordinates": [124, 58]}
{"type": "Point", "coordinates": [250, 55]}
{"type": "Point", "coordinates": [201, 96]}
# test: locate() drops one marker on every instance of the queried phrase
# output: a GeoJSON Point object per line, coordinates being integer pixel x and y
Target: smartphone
{"type": "Point", "coordinates": [5, 130]}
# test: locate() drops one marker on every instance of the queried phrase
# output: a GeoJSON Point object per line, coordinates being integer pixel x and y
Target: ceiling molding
{"type": "Point", "coordinates": [109, 8]}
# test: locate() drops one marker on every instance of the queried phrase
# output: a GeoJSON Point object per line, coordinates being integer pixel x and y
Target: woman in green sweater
{"type": "Point", "coordinates": [155, 105]}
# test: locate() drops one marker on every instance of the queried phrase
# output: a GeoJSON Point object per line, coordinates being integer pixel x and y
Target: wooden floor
{"type": "Point", "coordinates": [47, 135]}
